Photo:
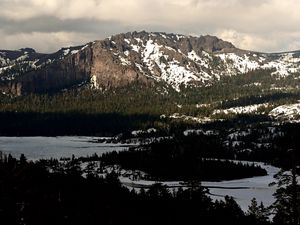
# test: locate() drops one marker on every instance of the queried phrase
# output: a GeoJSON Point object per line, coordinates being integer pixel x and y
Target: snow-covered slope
{"type": "Point", "coordinates": [284, 64]}
{"type": "Point", "coordinates": [176, 60]}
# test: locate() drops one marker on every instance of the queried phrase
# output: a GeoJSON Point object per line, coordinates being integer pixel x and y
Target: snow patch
{"type": "Point", "coordinates": [94, 83]}
{"type": "Point", "coordinates": [73, 52]}
{"type": "Point", "coordinates": [241, 64]}
{"type": "Point", "coordinates": [66, 51]}
{"type": "Point", "coordinates": [84, 47]}
{"type": "Point", "coordinates": [191, 118]}
{"type": "Point", "coordinates": [124, 61]}
{"type": "Point", "coordinates": [127, 41]}
{"type": "Point", "coordinates": [241, 109]}
{"type": "Point", "coordinates": [135, 48]}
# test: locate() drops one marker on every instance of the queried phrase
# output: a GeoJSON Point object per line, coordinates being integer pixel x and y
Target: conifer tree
{"type": "Point", "coordinates": [257, 212]}
{"type": "Point", "coordinates": [287, 204]}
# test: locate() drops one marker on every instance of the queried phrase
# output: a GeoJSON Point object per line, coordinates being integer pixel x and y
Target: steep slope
{"type": "Point", "coordinates": [139, 57]}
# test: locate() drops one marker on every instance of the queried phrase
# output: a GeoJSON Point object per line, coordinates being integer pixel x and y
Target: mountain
{"type": "Point", "coordinates": [176, 61]}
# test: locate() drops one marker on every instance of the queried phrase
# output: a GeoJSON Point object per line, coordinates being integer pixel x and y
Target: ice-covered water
{"type": "Point", "coordinates": [243, 190]}
{"type": "Point", "coordinates": [55, 147]}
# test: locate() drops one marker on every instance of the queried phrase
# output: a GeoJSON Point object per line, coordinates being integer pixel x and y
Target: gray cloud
{"type": "Point", "coordinates": [263, 25]}
{"type": "Point", "coordinates": [48, 24]}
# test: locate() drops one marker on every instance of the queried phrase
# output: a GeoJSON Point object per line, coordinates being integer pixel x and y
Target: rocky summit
{"type": "Point", "coordinates": [146, 58]}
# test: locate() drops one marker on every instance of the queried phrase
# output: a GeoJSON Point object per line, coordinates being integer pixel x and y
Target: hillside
{"type": "Point", "coordinates": [141, 80]}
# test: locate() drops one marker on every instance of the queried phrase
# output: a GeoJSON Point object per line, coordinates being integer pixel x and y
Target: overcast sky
{"type": "Point", "coordinates": [47, 25]}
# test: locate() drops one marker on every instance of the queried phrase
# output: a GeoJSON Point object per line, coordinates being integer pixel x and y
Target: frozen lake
{"type": "Point", "coordinates": [243, 190]}
{"type": "Point", "coordinates": [55, 147]}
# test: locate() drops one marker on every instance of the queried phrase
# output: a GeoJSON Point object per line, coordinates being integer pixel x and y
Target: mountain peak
{"type": "Point", "coordinates": [207, 43]}
{"type": "Point", "coordinates": [215, 44]}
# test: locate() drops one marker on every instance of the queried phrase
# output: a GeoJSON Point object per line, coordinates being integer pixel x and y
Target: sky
{"type": "Point", "coordinates": [48, 25]}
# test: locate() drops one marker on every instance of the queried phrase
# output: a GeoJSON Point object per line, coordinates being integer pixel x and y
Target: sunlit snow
{"type": "Point", "coordinates": [289, 112]}
{"type": "Point", "coordinates": [241, 109]}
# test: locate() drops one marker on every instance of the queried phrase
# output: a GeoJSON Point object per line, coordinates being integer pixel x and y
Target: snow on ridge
{"type": "Point", "coordinates": [74, 52]}
{"type": "Point", "coordinates": [163, 35]}
{"type": "Point", "coordinates": [285, 65]}
{"type": "Point", "coordinates": [289, 112]}
{"type": "Point", "coordinates": [179, 36]}
{"type": "Point", "coordinates": [87, 45]}
{"type": "Point", "coordinates": [201, 60]}
{"type": "Point", "coordinates": [66, 51]}
{"type": "Point", "coordinates": [172, 72]}
{"type": "Point", "coordinates": [202, 120]}
{"type": "Point", "coordinates": [242, 64]}
{"type": "Point", "coordinates": [241, 109]}
{"type": "Point", "coordinates": [164, 62]}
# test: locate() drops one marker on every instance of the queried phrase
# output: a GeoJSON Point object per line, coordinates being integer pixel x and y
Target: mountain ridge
{"type": "Point", "coordinates": [137, 57]}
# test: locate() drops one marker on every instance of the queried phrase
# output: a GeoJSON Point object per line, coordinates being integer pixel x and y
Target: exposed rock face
{"type": "Point", "coordinates": [137, 57]}
{"type": "Point", "coordinates": [108, 72]}
{"type": "Point", "coordinates": [60, 74]}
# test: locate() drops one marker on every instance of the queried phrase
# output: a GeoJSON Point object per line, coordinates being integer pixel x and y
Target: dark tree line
{"type": "Point", "coordinates": [30, 194]}
{"type": "Point", "coordinates": [184, 158]}
{"type": "Point", "coordinates": [53, 124]}
{"type": "Point", "coordinates": [135, 100]}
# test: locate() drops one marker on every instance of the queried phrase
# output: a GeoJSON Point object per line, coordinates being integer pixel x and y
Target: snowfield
{"type": "Point", "coordinates": [287, 112]}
